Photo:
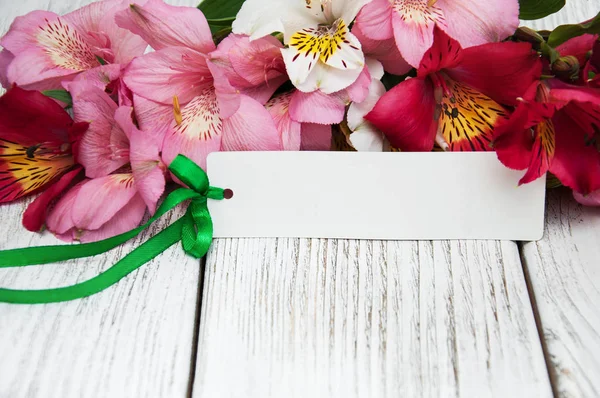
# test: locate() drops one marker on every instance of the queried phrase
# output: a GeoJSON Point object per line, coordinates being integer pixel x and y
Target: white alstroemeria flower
{"type": "Point", "coordinates": [365, 137]}
{"type": "Point", "coordinates": [322, 54]}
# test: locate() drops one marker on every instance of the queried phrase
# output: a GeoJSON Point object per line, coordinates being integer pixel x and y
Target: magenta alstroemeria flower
{"type": "Point", "coordinates": [411, 22]}
{"type": "Point", "coordinates": [178, 90]}
{"type": "Point", "coordinates": [43, 49]}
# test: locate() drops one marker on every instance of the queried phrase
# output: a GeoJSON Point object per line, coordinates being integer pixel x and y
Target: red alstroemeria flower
{"type": "Point", "coordinates": [38, 147]}
{"type": "Point", "coordinates": [456, 96]}
{"type": "Point", "coordinates": [555, 128]}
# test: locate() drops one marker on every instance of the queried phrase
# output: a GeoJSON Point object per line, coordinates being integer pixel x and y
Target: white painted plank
{"type": "Point", "coordinates": [564, 273]}
{"type": "Point", "coordinates": [345, 318]}
{"type": "Point", "coordinates": [134, 340]}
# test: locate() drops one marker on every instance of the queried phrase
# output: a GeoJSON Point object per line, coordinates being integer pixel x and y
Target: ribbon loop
{"type": "Point", "coordinates": [194, 230]}
{"type": "Point", "coordinates": [190, 174]}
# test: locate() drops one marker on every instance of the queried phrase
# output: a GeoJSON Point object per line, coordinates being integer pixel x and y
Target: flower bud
{"type": "Point", "coordinates": [566, 67]}
{"type": "Point", "coordinates": [529, 35]}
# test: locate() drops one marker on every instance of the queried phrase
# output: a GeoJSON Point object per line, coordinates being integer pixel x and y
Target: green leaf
{"type": "Point", "coordinates": [220, 14]}
{"type": "Point", "coordinates": [536, 9]}
{"type": "Point", "coordinates": [566, 32]}
{"type": "Point", "coordinates": [61, 95]}
{"type": "Point", "coordinates": [220, 9]}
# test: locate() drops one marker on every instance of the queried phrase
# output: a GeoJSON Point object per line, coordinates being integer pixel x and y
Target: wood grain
{"type": "Point", "coordinates": [136, 339]}
{"type": "Point", "coordinates": [564, 273]}
{"type": "Point", "coordinates": [344, 318]}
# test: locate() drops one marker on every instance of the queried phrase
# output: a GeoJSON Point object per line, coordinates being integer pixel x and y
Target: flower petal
{"type": "Point", "coordinates": [359, 90]}
{"type": "Point", "coordinates": [199, 133]}
{"type": "Point", "coordinates": [445, 53]}
{"type": "Point", "coordinates": [228, 97]}
{"type": "Point", "coordinates": [328, 80]}
{"type": "Point", "coordinates": [259, 18]}
{"type": "Point", "coordinates": [35, 214]}
{"type": "Point", "coordinates": [100, 199]}
{"type": "Point", "coordinates": [474, 22]}
{"type": "Point", "coordinates": [576, 164]}
{"type": "Point", "coordinates": [467, 118]}
{"type": "Point", "coordinates": [104, 147]}
{"type": "Point", "coordinates": [542, 152]}
{"type": "Point", "coordinates": [375, 20]}
{"type": "Point", "coordinates": [154, 117]}
{"type": "Point", "coordinates": [128, 218]}
{"type": "Point", "coordinates": [45, 47]}
{"type": "Point", "coordinates": [96, 23]}
{"type": "Point", "coordinates": [251, 128]}
{"type": "Point", "coordinates": [317, 107]}
{"type": "Point", "coordinates": [147, 167]}
{"type": "Point", "coordinates": [384, 51]}
{"type": "Point", "coordinates": [365, 136]}
{"type": "Point", "coordinates": [405, 114]}
{"type": "Point", "coordinates": [345, 54]}
{"type": "Point", "coordinates": [502, 71]}
{"type": "Point", "coordinates": [316, 137]}
{"type": "Point", "coordinates": [299, 65]}
{"type": "Point", "coordinates": [59, 220]}
{"type": "Point", "coordinates": [290, 131]}
{"type": "Point", "coordinates": [163, 25]}
{"type": "Point", "coordinates": [592, 199]}
{"type": "Point", "coordinates": [413, 25]}
{"type": "Point", "coordinates": [6, 57]}
{"type": "Point", "coordinates": [513, 140]}
{"type": "Point", "coordinates": [30, 118]}
{"type": "Point", "coordinates": [161, 75]}
{"type": "Point", "coordinates": [99, 77]}
{"type": "Point", "coordinates": [578, 47]}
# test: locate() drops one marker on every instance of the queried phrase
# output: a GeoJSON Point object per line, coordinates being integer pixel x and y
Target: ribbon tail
{"type": "Point", "coordinates": [138, 257]}
{"type": "Point", "coordinates": [52, 254]}
{"type": "Point", "coordinates": [197, 232]}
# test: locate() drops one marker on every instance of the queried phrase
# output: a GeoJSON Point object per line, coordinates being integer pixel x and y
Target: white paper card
{"type": "Point", "coordinates": [388, 196]}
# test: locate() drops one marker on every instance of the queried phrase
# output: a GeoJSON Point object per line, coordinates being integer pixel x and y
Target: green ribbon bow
{"type": "Point", "coordinates": [194, 230]}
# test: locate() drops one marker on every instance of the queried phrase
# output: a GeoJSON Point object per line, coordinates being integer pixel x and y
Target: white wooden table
{"type": "Point", "coordinates": [316, 318]}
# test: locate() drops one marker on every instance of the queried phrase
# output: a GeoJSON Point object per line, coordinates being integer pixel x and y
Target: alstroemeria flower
{"type": "Point", "coordinates": [296, 135]}
{"type": "Point", "coordinates": [457, 95]}
{"type": "Point", "coordinates": [254, 67]}
{"type": "Point", "coordinates": [43, 49]}
{"type": "Point", "coordinates": [554, 128]}
{"type": "Point", "coordinates": [364, 136]}
{"type": "Point", "coordinates": [115, 201]}
{"type": "Point", "coordinates": [412, 22]}
{"type": "Point", "coordinates": [384, 51]}
{"type": "Point", "coordinates": [97, 209]}
{"type": "Point", "coordinates": [178, 90]}
{"type": "Point", "coordinates": [323, 54]}
{"type": "Point", "coordinates": [38, 148]}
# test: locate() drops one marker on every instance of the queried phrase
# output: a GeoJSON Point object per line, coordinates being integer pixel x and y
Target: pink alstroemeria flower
{"type": "Point", "coordinates": [256, 68]}
{"type": "Point", "coordinates": [178, 89]}
{"type": "Point", "coordinates": [125, 185]}
{"type": "Point", "coordinates": [43, 49]}
{"type": "Point", "coordinates": [411, 22]}
{"type": "Point", "coordinates": [296, 135]}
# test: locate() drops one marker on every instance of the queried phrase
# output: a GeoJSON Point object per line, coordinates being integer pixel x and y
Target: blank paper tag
{"type": "Point", "coordinates": [388, 196]}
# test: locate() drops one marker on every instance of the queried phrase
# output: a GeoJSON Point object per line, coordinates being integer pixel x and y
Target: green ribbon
{"type": "Point", "coordinates": [194, 230]}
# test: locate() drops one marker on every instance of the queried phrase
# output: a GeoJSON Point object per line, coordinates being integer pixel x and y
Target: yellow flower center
{"type": "Point", "coordinates": [323, 41]}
